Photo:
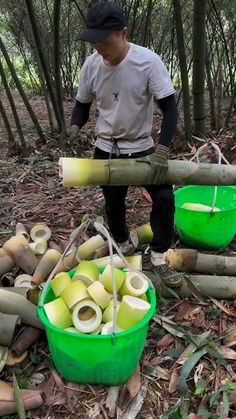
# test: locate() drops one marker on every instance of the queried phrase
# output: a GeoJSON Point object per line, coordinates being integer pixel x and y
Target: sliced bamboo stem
{"type": "Point", "coordinates": [40, 231]}
{"type": "Point", "coordinates": [46, 265]}
{"type": "Point", "coordinates": [39, 247]}
{"type": "Point", "coordinates": [190, 260]}
{"type": "Point", "coordinates": [24, 280]}
{"type": "Point", "coordinates": [18, 248]}
{"type": "Point", "coordinates": [8, 324]}
{"type": "Point", "coordinates": [26, 339]}
{"type": "Point", "coordinates": [142, 235]}
{"type": "Point", "coordinates": [11, 303]}
{"type": "Point", "coordinates": [84, 172]}
{"type": "Point", "coordinates": [6, 262]}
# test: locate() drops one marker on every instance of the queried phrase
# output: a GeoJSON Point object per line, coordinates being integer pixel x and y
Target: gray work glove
{"type": "Point", "coordinates": [72, 134]}
{"type": "Point", "coordinates": [159, 164]}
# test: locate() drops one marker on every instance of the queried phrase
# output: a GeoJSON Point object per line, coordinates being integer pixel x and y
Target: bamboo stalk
{"type": "Point", "coordinates": [8, 324]}
{"type": "Point", "coordinates": [26, 339]}
{"type": "Point", "coordinates": [220, 287]}
{"type": "Point", "coordinates": [6, 262]}
{"type": "Point", "coordinates": [11, 303]}
{"type": "Point", "coordinates": [32, 399]}
{"type": "Point", "coordinates": [190, 260]}
{"type": "Point", "coordinates": [18, 248]}
{"type": "Point", "coordinates": [83, 172]}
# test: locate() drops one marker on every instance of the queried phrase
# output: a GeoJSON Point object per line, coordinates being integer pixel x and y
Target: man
{"type": "Point", "coordinates": [124, 78]}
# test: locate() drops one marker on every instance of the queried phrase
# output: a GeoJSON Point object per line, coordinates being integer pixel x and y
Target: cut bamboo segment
{"type": "Point", "coordinates": [87, 272]}
{"type": "Point", "coordinates": [58, 313]}
{"type": "Point", "coordinates": [24, 280]}
{"type": "Point", "coordinates": [32, 399]}
{"type": "Point", "coordinates": [132, 311]}
{"type": "Point", "coordinates": [135, 284]}
{"type": "Point", "coordinates": [109, 312]}
{"type": "Point", "coordinates": [20, 229]}
{"type": "Point", "coordinates": [107, 329]}
{"type": "Point", "coordinates": [142, 235]}
{"type": "Point", "coordinates": [60, 282]}
{"type": "Point", "coordinates": [102, 251]}
{"type": "Point", "coordinates": [190, 260]}
{"type": "Point", "coordinates": [135, 261]}
{"type": "Point", "coordinates": [25, 339]}
{"type": "Point", "coordinates": [40, 231]}
{"type": "Point", "coordinates": [87, 249]}
{"type": "Point", "coordinates": [11, 303]}
{"type": "Point", "coordinates": [46, 265]}
{"type": "Point", "coordinates": [74, 293]}
{"type": "Point", "coordinates": [71, 329]}
{"type": "Point", "coordinates": [87, 326]}
{"type": "Point", "coordinates": [98, 330]}
{"type": "Point", "coordinates": [6, 262]}
{"type": "Point", "coordinates": [18, 248]}
{"type": "Point", "coordinates": [106, 278]}
{"type": "Point", "coordinates": [8, 324]}
{"type": "Point", "coordinates": [99, 294]}
{"type": "Point", "coordinates": [85, 172]}
{"type": "Point", "coordinates": [39, 247]}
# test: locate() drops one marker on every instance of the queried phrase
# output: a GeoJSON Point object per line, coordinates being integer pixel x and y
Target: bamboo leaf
{"type": "Point", "coordinates": [226, 403]}
{"type": "Point", "coordinates": [18, 399]}
{"type": "Point", "coordinates": [187, 368]}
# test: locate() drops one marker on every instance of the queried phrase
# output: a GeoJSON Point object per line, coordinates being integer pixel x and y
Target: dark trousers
{"type": "Point", "coordinates": [161, 216]}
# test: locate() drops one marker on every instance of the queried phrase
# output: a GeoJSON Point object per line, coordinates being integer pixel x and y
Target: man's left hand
{"type": "Point", "coordinates": [160, 164]}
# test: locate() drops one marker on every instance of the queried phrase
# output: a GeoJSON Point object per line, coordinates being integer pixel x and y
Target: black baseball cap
{"type": "Point", "coordinates": [103, 18]}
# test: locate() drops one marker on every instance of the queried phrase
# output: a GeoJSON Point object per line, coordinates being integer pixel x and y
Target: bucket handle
{"type": "Point", "coordinates": [220, 157]}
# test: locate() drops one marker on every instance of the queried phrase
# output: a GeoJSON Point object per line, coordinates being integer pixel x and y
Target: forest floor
{"type": "Point", "coordinates": [30, 192]}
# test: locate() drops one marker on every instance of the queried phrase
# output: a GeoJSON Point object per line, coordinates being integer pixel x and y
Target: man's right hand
{"type": "Point", "coordinates": [72, 134]}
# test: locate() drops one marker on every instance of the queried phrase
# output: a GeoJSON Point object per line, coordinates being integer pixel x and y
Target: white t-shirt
{"type": "Point", "coordinates": [124, 96]}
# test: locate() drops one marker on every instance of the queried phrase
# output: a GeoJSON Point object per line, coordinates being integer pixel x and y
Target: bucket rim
{"type": "Point", "coordinates": [42, 316]}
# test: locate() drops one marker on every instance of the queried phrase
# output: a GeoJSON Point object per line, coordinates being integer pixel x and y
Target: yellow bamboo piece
{"type": "Point", "coordinates": [17, 247]}
{"type": "Point", "coordinates": [109, 312]}
{"type": "Point", "coordinates": [40, 231]}
{"type": "Point", "coordinates": [60, 282]}
{"type": "Point", "coordinates": [135, 284]}
{"type": "Point", "coordinates": [58, 314]}
{"type": "Point", "coordinates": [106, 278]}
{"type": "Point", "coordinates": [87, 272]}
{"type": "Point", "coordinates": [132, 311]}
{"type": "Point", "coordinates": [90, 325]}
{"type": "Point", "coordinates": [142, 235]}
{"type": "Point", "coordinates": [107, 329]}
{"type": "Point", "coordinates": [99, 294]}
{"type": "Point", "coordinates": [39, 247]}
{"type": "Point", "coordinates": [74, 293]}
{"type": "Point", "coordinates": [87, 249]}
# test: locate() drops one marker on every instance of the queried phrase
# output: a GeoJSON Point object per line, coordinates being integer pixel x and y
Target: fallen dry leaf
{"type": "Point", "coordinates": [173, 381]}
{"type": "Point", "coordinates": [134, 383]}
{"type": "Point", "coordinates": [227, 353]}
{"type": "Point", "coordinates": [165, 341]}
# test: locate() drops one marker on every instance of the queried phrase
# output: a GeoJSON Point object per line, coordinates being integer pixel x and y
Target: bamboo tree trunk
{"type": "Point", "coordinates": [57, 60]}
{"type": "Point", "coordinates": [199, 16]}
{"type": "Point", "coordinates": [210, 89]}
{"type": "Point", "coordinates": [183, 68]}
{"type": "Point", "coordinates": [85, 172]}
{"type": "Point", "coordinates": [11, 139]}
{"type": "Point", "coordinates": [22, 92]}
{"type": "Point", "coordinates": [14, 111]}
{"type": "Point", "coordinates": [37, 41]}
{"type": "Point", "coordinates": [219, 118]}
{"type": "Point", "coordinates": [232, 104]}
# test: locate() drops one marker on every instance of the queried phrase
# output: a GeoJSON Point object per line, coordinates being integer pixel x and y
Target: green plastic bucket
{"type": "Point", "coordinates": [95, 359]}
{"type": "Point", "coordinates": [205, 230]}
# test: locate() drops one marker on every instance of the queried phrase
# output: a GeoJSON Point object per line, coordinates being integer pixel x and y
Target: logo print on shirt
{"type": "Point", "coordinates": [115, 94]}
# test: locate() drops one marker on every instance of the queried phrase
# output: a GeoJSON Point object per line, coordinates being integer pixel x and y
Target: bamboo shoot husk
{"type": "Point", "coordinates": [32, 399]}
{"type": "Point", "coordinates": [20, 229]}
{"type": "Point", "coordinates": [6, 262]}
{"type": "Point", "coordinates": [8, 324]}
{"type": "Point", "coordinates": [18, 248]}
{"type": "Point", "coordinates": [68, 262]}
{"type": "Point", "coordinates": [11, 303]}
{"type": "Point", "coordinates": [220, 287]}
{"type": "Point", "coordinates": [14, 361]}
{"type": "Point", "coordinates": [46, 265]}
{"type": "Point", "coordinates": [26, 339]}
{"type": "Point", "coordinates": [23, 291]}
{"type": "Point", "coordinates": [84, 172]}
{"type": "Point", "coordinates": [190, 260]}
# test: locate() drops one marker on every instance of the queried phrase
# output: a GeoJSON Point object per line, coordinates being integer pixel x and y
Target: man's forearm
{"type": "Point", "coordinates": [169, 120]}
{"type": "Point", "coordinates": [80, 114]}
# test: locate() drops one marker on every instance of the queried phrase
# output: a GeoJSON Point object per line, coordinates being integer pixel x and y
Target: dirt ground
{"type": "Point", "coordinates": [30, 192]}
